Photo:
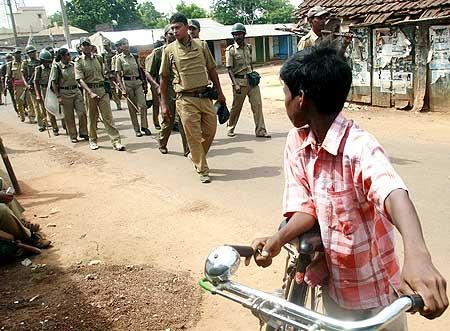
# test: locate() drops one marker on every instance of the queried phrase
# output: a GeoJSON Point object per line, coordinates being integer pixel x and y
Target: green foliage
{"type": "Point", "coordinates": [55, 18]}
{"type": "Point", "coordinates": [252, 11]}
{"type": "Point", "coordinates": [191, 11]}
{"type": "Point", "coordinates": [150, 17]}
{"type": "Point", "coordinates": [86, 14]}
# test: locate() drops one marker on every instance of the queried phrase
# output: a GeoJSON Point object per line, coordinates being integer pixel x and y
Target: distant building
{"type": "Point", "coordinates": [30, 19]}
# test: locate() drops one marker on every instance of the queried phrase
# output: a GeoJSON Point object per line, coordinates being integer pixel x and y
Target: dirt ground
{"type": "Point", "coordinates": [149, 221]}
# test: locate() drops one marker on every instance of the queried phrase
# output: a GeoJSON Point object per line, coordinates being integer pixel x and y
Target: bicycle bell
{"type": "Point", "coordinates": [221, 264]}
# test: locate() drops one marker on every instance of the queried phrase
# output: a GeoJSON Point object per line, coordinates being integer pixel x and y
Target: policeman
{"type": "Point", "coordinates": [110, 74]}
{"type": "Point", "coordinates": [28, 69]}
{"type": "Point", "coordinates": [239, 64]}
{"type": "Point", "coordinates": [132, 85]}
{"type": "Point", "coordinates": [113, 68]}
{"type": "Point", "coordinates": [153, 65]}
{"type": "Point", "coordinates": [69, 95]}
{"type": "Point", "coordinates": [41, 76]}
{"type": "Point", "coordinates": [194, 29]}
{"type": "Point", "coordinates": [192, 65]}
{"type": "Point", "coordinates": [89, 73]}
{"type": "Point", "coordinates": [8, 87]}
{"type": "Point", "coordinates": [14, 78]}
{"type": "Point", "coordinates": [317, 17]}
{"type": "Point", "coordinates": [51, 51]}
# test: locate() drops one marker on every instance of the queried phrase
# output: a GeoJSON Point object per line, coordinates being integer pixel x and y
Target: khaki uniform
{"type": "Point", "coordinates": [113, 68]}
{"type": "Point", "coordinates": [110, 74]}
{"type": "Point", "coordinates": [153, 65]}
{"type": "Point", "coordinates": [64, 76]}
{"type": "Point", "coordinates": [41, 77]}
{"type": "Point", "coordinates": [308, 40]}
{"type": "Point", "coordinates": [14, 73]}
{"type": "Point", "coordinates": [28, 69]}
{"type": "Point", "coordinates": [189, 66]}
{"type": "Point", "coordinates": [7, 86]}
{"type": "Point", "coordinates": [127, 66]}
{"type": "Point", "coordinates": [89, 69]}
{"type": "Point", "coordinates": [239, 59]}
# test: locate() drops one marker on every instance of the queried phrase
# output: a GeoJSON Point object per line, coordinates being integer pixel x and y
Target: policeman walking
{"type": "Point", "coordinates": [191, 63]}
{"type": "Point", "coordinates": [14, 78]}
{"type": "Point", "coordinates": [89, 73]}
{"type": "Point", "coordinates": [153, 65]}
{"type": "Point", "coordinates": [131, 82]}
{"type": "Point", "coordinates": [194, 29]}
{"type": "Point", "coordinates": [41, 77]}
{"type": "Point", "coordinates": [239, 65]}
{"type": "Point", "coordinates": [28, 69]}
{"type": "Point", "coordinates": [110, 74]}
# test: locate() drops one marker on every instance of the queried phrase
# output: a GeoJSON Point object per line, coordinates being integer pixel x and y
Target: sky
{"type": "Point", "coordinates": [165, 6]}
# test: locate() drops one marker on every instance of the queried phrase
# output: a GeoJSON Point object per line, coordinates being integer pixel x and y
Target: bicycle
{"type": "Point", "coordinates": [290, 312]}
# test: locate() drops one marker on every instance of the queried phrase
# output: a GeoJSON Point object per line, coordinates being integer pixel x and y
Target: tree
{"type": "Point", "coordinates": [55, 18]}
{"type": "Point", "coordinates": [252, 11]}
{"type": "Point", "coordinates": [86, 14]}
{"type": "Point", "coordinates": [191, 11]}
{"type": "Point", "coordinates": [150, 17]}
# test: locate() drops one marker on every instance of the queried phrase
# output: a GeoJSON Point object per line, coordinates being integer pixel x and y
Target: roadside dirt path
{"type": "Point", "coordinates": [143, 208]}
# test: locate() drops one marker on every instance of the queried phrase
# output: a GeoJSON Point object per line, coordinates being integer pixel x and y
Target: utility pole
{"type": "Point", "coordinates": [13, 22]}
{"type": "Point", "coordinates": [65, 23]}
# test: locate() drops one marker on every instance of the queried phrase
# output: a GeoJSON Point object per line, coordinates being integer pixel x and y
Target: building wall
{"type": "Point", "coordinates": [30, 19]}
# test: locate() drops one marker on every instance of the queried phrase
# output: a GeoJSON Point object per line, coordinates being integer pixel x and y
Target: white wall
{"type": "Point", "coordinates": [27, 19]}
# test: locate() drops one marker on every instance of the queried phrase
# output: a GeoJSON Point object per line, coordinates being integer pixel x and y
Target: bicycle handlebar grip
{"type": "Point", "coordinates": [244, 251]}
{"type": "Point", "coordinates": [417, 303]}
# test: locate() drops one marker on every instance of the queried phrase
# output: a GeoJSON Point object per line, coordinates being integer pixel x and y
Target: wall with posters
{"type": "Point", "coordinates": [393, 63]}
{"type": "Point", "coordinates": [439, 68]}
{"type": "Point", "coordinates": [360, 59]}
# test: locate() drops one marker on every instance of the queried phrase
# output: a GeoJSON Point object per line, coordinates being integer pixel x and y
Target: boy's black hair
{"type": "Point", "coordinates": [322, 74]}
{"type": "Point", "coordinates": [178, 18]}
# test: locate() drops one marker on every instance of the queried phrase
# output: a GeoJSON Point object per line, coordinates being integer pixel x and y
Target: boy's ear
{"type": "Point", "coordinates": [301, 100]}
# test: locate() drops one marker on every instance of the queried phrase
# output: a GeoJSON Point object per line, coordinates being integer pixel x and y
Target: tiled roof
{"type": "Point", "coordinates": [379, 11]}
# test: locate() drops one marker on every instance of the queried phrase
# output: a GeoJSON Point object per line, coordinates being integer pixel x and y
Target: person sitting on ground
{"type": "Point", "coordinates": [338, 175]}
{"type": "Point", "coordinates": [12, 222]}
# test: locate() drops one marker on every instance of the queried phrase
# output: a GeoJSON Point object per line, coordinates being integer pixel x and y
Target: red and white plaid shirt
{"type": "Point", "coordinates": [344, 184]}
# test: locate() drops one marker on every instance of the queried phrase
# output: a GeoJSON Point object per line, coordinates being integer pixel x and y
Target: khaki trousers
{"type": "Point", "coordinates": [46, 116]}
{"type": "Point", "coordinates": [114, 95]}
{"type": "Point", "coordinates": [156, 102]}
{"type": "Point", "coordinates": [11, 224]}
{"type": "Point", "coordinates": [167, 126]}
{"type": "Point", "coordinates": [73, 103]}
{"type": "Point", "coordinates": [200, 124]}
{"type": "Point", "coordinates": [20, 100]}
{"type": "Point", "coordinates": [254, 97]}
{"type": "Point", "coordinates": [103, 106]}
{"type": "Point", "coordinates": [136, 95]}
{"type": "Point", "coordinates": [334, 310]}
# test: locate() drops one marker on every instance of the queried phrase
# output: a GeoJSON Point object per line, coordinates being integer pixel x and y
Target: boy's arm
{"type": "Point", "coordinates": [419, 275]}
{"type": "Point", "coordinates": [271, 246]}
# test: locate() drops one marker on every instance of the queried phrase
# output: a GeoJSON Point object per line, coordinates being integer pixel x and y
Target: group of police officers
{"type": "Point", "coordinates": [181, 73]}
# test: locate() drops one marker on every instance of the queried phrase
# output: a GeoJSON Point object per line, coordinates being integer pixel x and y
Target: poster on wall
{"type": "Point", "coordinates": [440, 48]}
{"type": "Point", "coordinates": [359, 56]}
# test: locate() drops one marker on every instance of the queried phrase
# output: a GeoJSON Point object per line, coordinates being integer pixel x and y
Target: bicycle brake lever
{"type": "Point", "coordinates": [244, 251]}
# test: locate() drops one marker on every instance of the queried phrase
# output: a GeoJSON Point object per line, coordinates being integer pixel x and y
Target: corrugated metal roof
{"type": "Point", "coordinates": [378, 11]}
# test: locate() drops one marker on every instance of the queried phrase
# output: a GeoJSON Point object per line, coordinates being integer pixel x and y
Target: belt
{"type": "Point", "coordinates": [240, 76]}
{"type": "Point", "coordinates": [192, 94]}
{"type": "Point", "coordinates": [131, 78]}
{"type": "Point", "coordinates": [43, 85]}
{"type": "Point", "coordinates": [73, 87]}
{"type": "Point", "coordinates": [95, 85]}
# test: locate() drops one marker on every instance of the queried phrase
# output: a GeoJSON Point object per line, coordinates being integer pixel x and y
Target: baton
{"type": "Point", "coordinates": [128, 99]}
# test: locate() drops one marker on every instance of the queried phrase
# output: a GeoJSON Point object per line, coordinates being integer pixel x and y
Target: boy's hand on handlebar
{"type": "Point", "coordinates": [265, 249]}
{"type": "Point", "coordinates": [420, 276]}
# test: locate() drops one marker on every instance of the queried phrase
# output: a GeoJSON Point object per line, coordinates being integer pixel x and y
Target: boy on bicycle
{"type": "Point", "coordinates": [339, 176]}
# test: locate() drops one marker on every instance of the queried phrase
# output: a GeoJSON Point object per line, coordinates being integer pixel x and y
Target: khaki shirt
{"type": "Point", "coordinates": [42, 75]}
{"type": "Point", "coordinates": [14, 70]}
{"type": "Point", "coordinates": [127, 65]}
{"type": "Point", "coordinates": [239, 59]}
{"type": "Point", "coordinates": [114, 62]}
{"type": "Point", "coordinates": [89, 69]}
{"type": "Point", "coordinates": [189, 64]}
{"type": "Point", "coordinates": [308, 40]}
{"type": "Point", "coordinates": [64, 76]}
{"type": "Point", "coordinates": [28, 68]}
{"type": "Point", "coordinates": [107, 60]}
{"type": "Point", "coordinates": [153, 62]}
